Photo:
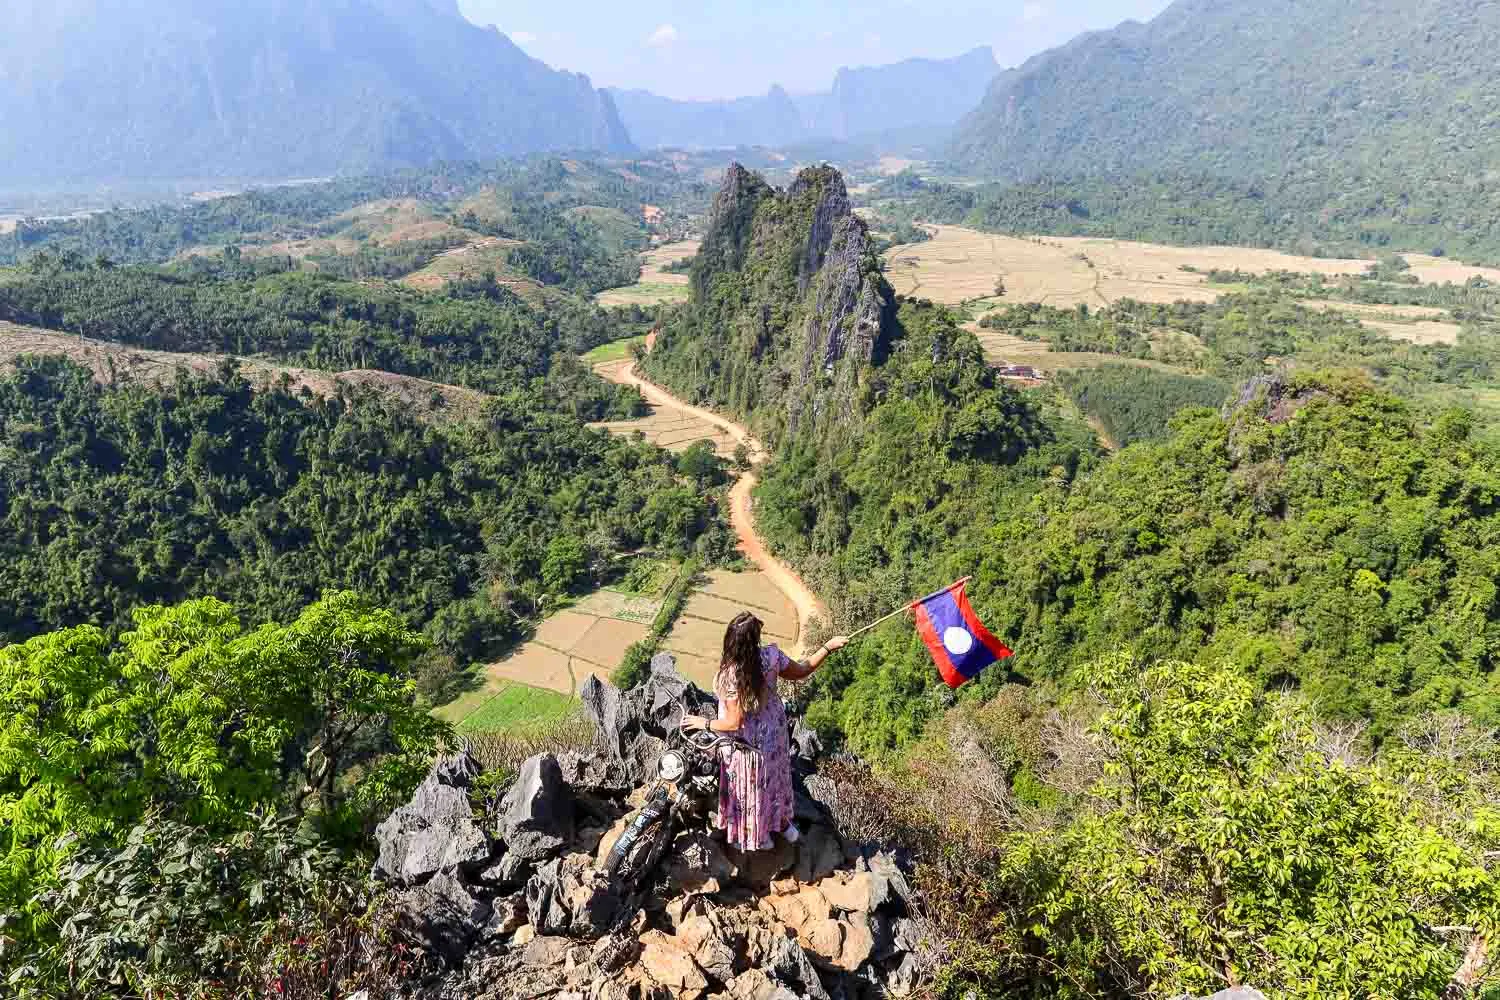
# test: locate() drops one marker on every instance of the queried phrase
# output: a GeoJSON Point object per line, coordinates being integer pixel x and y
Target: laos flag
{"type": "Point", "coordinates": [958, 641]}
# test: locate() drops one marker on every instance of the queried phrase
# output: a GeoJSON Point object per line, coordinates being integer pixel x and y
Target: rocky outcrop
{"type": "Point", "coordinates": [513, 901]}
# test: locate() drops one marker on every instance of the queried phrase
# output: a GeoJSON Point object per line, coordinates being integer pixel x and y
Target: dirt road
{"type": "Point", "coordinates": [803, 600]}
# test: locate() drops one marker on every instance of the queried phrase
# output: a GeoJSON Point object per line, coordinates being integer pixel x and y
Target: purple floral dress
{"type": "Point", "coordinates": [755, 789]}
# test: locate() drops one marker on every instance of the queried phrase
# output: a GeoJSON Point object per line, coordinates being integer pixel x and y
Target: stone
{"type": "Point", "coordinates": [823, 938]}
{"type": "Point", "coordinates": [820, 852]}
{"type": "Point", "coordinates": [704, 940]}
{"type": "Point", "coordinates": [545, 902]}
{"type": "Point", "coordinates": [523, 936]}
{"type": "Point", "coordinates": [446, 919]}
{"type": "Point", "coordinates": [543, 951]}
{"type": "Point", "coordinates": [507, 874]}
{"type": "Point", "coordinates": [666, 964]}
{"type": "Point", "coordinates": [904, 979]}
{"type": "Point", "coordinates": [790, 966]}
{"type": "Point", "coordinates": [435, 830]}
{"type": "Point", "coordinates": [536, 815]}
{"type": "Point", "coordinates": [508, 917]}
{"type": "Point", "coordinates": [859, 943]}
{"type": "Point", "coordinates": [806, 745]}
{"type": "Point", "coordinates": [611, 713]}
{"type": "Point", "coordinates": [798, 911]}
{"type": "Point", "coordinates": [696, 862]}
{"type": "Point", "coordinates": [610, 838]}
{"type": "Point", "coordinates": [758, 869]}
{"type": "Point", "coordinates": [752, 984]}
{"type": "Point", "coordinates": [885, 866]}
{"type": "Point", "coordinates": [860, 892]}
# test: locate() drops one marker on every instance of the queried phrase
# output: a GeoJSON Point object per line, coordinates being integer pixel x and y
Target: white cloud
{"type": "Point", "coordinates": [1033, 12]}
{"type": "Point", "coordinates": [665, 35]}
{"type": "Point", "coordinates": [872, 41]}
{"type": "Point", "coordinates": [522, 37]}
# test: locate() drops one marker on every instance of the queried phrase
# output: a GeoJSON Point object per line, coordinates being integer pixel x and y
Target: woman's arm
{"type": "Point", "coordinates": [802, 669]}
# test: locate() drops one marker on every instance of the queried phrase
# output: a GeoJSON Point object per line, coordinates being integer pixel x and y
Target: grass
{"type": "Point", "coordinates": [517, 708]}
{"type": "Point", "coordinates": [645, 294]}
{"type": "Point", "coordinates": [615, 350]}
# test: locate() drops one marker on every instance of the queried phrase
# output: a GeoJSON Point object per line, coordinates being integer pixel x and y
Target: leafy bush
{"type": "Point", "coordinates": [193, 719]}
{"type": "Point", "coordinates": [1205, 834]}
{"type": "Point", "coordinates": [179, 911]}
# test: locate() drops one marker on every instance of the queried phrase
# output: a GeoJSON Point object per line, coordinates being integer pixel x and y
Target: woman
{"type": "Point", "coordinates": [755, 788]}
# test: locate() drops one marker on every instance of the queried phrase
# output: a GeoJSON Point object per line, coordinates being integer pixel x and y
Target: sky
{"type": "Point", "coordinates": [693, 49]}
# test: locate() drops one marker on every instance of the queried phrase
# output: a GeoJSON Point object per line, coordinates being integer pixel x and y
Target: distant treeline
{"type": "Point", "coordinates": [1188, 209]}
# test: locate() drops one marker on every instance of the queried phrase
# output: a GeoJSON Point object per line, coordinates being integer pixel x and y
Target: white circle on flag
{"type": "Point", "coordinates": [957, 641]}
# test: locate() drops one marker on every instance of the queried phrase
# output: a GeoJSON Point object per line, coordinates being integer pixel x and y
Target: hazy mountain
{"type": "Point", "coordinates": [915, 93]}
{"type": "Point", "coordinates": [131, 89]}
{"type": "Point", "coordinates": [1255, 88]}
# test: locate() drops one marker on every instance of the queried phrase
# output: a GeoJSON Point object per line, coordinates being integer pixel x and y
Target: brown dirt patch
{"type": "Point", "coordinates": [698, 669]}
{"type": "Point", "coordinates": [1422, 332]}
{"type": "Point", "coordinates": [961, 264]}
{"type": "Point", "coordinates": [613, 604]}
{"type": "Point", "coordinates": [536, 665]}
{"type": "Point", "coordinates": [563, 630]}
{"type": "Point", "coordinates": [712, 607]}
{"type": "Point", "coordinates": [605, 642]}
{"type": "Point", "coordinates": [1441, 270]}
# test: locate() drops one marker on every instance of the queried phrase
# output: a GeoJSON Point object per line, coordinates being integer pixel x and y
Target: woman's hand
{"type": "Point", "coordinates": [694, 723]}
{"type": "Point", "coordinates": [837, 643]}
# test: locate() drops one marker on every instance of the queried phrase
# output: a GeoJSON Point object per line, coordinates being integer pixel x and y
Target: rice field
{"type": "Point", "coordinates": [517, 708]}
{"type": "Point", "coordinates": [962, 265]}
{"type": "Point", "coordinates": [697, 636]}
{"type": "Point", "coordinates": [655, 285]}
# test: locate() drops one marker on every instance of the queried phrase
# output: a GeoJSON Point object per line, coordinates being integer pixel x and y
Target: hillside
{"type": "Point", "coordinates": [1376, 117]}
{"type": "Point", "coordinates": [95, 91]}
{"type": "Point", "coordinates": [864, 101]}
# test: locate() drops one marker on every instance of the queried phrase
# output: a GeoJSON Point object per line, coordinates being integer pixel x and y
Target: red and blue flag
{"type": "Point", "coordinates": [958, 641]}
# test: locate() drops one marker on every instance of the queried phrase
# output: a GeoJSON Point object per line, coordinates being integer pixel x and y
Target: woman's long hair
{"type": "Point", "coordinates": [742, 659]}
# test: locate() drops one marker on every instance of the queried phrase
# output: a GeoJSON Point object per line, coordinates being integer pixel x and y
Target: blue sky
{"type": "Point", "coordinates": [730, 48]}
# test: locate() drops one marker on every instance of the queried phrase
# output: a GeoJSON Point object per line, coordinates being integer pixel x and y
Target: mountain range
{"type": "Point", "coordinates": [95, 90]}
{"type": "Point", "coordinates": [912, 94]}
{"type": "Point", "coordinates": [1255, 89]}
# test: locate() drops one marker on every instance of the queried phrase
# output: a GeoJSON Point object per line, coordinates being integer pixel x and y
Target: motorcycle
{"type": "Point", "coordinates": [687, 785]}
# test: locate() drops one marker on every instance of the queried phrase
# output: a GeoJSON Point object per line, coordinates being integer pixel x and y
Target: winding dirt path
{"type": "Point", "coordinates": [741, 517]}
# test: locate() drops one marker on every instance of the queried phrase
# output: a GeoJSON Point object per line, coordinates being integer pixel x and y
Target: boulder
{"type": "Point", "coordinates": [434, 831]}
{"type": "Point", "coordinates": [667, 964]}
{"type": "Point", "coordinates": [857, 892]}
{"type": "Point", "coordinates": [444, 917]}
{"type": "Point", "coordinates": [542, 951]}
{"type": "Point", "coordinates": [508, 917]}
{"type": "Point", "coordinates": [536, 816]}
{"type": "Point", "coordinates": [704, 939]}
{"type": "Point", "coordinates": [696, 863]}
{"type": "Point", "coordinates": [507, 874]}
{"type": "Point", "coordinates": [820, 852]}
{"type": "Point", "coordinates": [612, 713]}
{"type": "Point", "coordinates": [752, 984]}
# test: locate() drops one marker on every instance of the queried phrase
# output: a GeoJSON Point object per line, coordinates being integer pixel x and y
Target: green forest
{"type": "Point", "coordinates": [1273, 612]}
{"type": "Point", "coordinates": [1248, 735]}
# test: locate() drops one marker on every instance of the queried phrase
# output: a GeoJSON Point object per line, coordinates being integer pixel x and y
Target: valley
{"type": "Point", "coordinates": [342, 521]}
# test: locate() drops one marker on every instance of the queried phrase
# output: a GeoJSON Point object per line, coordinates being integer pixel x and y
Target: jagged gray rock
{"type": "Point", "coordinates": [805, 921]}
{"type": "Point", "coordinates": [444, 916]}
{"type": "Point", "coordinates": [435, 830]}
{"type": "Point", "coordinates": [536, 815]}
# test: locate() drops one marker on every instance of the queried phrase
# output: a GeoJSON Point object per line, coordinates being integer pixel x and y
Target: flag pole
{"type": "Point", "coordinates": [907, 607]}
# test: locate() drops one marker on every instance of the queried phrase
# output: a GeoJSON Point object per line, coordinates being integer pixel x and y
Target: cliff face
{"type": "Point", "coordinates": [789, 308]}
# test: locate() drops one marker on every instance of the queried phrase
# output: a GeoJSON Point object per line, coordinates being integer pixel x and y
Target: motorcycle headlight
{"type": "Point", "coordinates": [672, 766]}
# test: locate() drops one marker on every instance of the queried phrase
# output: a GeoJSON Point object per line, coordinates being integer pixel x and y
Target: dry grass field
{"type": "Point", "coordinates": [473, 260]}
{"type": "Point", "coordinates": [962, 265]}
{"type": "Point", "coordinates": [670, 428]}
{"type": "Point", "coordinates": [655, 285]}
{"type": "Point", "coordinates": [697, 636]}
{"type": "Point", "coordinates": [589, 638]}
{"type": "Point", "coordinates": [110, 362]}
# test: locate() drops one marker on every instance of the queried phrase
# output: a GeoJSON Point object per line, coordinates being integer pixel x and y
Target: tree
{"type": "Point", "coordinates": [565, 565]}
{"type": "Point", "coordinates": [191, 716]}
{"type": "Point", "coordinates": [1229, 840]}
